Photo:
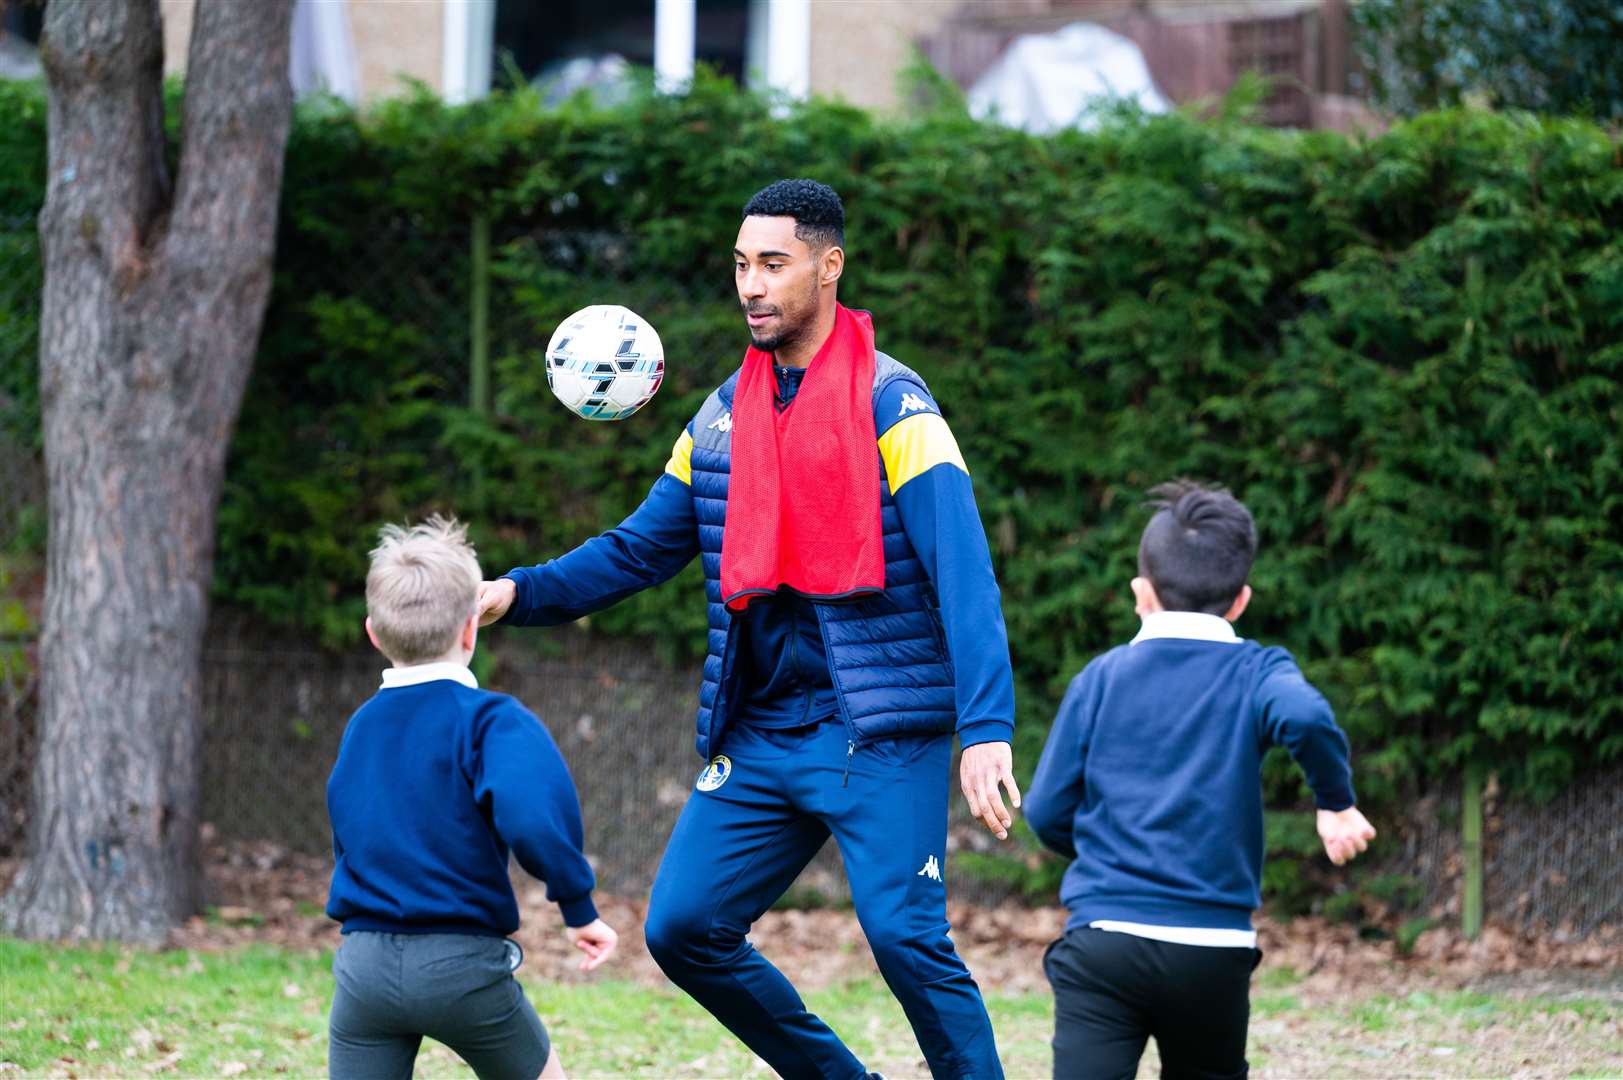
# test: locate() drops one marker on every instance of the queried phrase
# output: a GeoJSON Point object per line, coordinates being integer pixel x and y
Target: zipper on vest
{"type": "Point", "coordinates": [850, 748]}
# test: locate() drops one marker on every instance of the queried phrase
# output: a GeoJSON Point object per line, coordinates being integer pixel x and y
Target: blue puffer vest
{"type": "Point", "coordinates": [887, 653]}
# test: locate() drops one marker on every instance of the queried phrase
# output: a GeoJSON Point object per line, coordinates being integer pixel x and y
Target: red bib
{"type": "Point", "coordinates": [803, 497]}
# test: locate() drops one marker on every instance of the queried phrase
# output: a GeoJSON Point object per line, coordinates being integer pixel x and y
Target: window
{"type": "Point", "coordinates": [19, 37]}
{"type": "Point", "coordinates": [23, 21]}
{"type": "Point", "coordinates": [542, 40]}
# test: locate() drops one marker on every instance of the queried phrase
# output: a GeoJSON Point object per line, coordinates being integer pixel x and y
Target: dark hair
{"type": "Point", "coordinates": [1198, 548]}
{"type": "Point", "coordinates": [819, 215]}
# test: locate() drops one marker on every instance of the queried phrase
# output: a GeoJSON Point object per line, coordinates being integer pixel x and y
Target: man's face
{"type": "Point", "coordinates": [777, 277]}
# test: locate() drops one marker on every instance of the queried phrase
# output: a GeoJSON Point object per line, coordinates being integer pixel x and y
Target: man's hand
{"type": "Point", "coordinates": [1346, 833]}
{"type": "Point", "coordinates": [980, 770]}
{"type": "Point", "coordinates": [596, 939]}
{"type": "Point", "coordinates": [495, 597]}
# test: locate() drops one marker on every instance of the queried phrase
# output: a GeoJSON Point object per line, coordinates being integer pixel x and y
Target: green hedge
{"type": "Point", "coordinates": [1403, 353]}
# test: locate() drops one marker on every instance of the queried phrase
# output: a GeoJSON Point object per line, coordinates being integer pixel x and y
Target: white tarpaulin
{"type": "Point", "coordinates": [321, 57]}
{"type": "Point", "coordinates": [1045, 82]}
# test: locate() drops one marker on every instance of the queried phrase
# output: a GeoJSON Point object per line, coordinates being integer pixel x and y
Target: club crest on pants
{"type": "Point", "coordinates": [715, 774]}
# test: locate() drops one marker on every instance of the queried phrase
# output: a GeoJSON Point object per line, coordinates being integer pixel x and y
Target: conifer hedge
{"type": "Point", "coordinates": [1403, 353]}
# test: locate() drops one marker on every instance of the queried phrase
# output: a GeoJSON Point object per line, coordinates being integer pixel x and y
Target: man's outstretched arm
{"type": "Point", "coordinates": [649, 547]}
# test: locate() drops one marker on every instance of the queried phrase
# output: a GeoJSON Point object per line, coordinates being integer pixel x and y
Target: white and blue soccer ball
{"type": "Point", "coordinates": [605, 362]}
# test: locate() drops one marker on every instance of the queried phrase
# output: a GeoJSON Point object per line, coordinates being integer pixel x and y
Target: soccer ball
{"type": "Point", "coordinates": [605, 362]}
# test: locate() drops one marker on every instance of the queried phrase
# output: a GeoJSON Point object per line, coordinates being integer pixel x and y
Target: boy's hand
{"type": "Point", "coordinates": [1346, 833]}
{"type": "Point", "coordinates": [980, 770]}
{"type": "Point", "coordinates": [596, 939]}
{"type": "Point", "coordinates": [495, 597]}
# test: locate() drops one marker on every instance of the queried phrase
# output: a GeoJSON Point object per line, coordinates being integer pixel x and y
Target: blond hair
{"type": "Point", "coordinates": [421, 588]}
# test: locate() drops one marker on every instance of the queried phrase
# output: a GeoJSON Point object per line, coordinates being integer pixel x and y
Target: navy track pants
{"type": "Point", "coordinates": [740, 844]}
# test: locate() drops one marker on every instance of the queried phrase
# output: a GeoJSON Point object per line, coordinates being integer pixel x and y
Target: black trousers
{"type": "Point", "coordinates": [1112, 991]}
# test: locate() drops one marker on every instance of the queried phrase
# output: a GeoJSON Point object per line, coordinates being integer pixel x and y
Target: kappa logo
{"type": "Point", "coordinates": [932, 869]}
{"type": "Point", "coordinates": [914, 403]}
{"type": "Point", "coordinates": [715, 774]}
{"type": "Point", "coordinates": [724, 422]}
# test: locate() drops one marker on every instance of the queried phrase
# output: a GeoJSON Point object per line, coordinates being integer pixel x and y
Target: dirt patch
{"type": "Point", "coordinates": [262, 893]}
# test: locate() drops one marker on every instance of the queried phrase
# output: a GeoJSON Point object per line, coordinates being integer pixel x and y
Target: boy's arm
{"type": "Point", "coordinates": [521, 779]}
{"type": "Point", "coordinates": [1057, 787]}
{"type": "Point", "coordinates": [1296, 716]}
{"type": "Point", "coordinates": [658, 538]}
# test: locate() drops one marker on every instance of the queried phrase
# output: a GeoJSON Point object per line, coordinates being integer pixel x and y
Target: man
{"type": "Point", "coordinates": [855, 625]}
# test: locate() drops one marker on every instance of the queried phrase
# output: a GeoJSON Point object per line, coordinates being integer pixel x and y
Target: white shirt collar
{"type": "Point", "coordinates": [1192, 625]}
{"type": "Point", "coordinates": [396, 677]}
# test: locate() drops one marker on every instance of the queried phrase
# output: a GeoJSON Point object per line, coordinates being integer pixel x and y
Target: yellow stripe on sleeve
{"type": "Point", "coordinates": [916, 445]}
{"type": "Point", "coordinates": [681, 463]}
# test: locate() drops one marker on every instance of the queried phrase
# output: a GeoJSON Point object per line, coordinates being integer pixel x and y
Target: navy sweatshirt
{"type": "Point", "coordinates": [787, 681]}
{"type": "Point", "coordinates": [434, 783]}
{"type": "Point", "coordinates": [1151, 778]}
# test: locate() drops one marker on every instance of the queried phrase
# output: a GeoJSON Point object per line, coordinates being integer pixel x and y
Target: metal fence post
{"type": "Point", "coordinates": [479, 316]}
{"type": "Point", "coordinates": [1471, 850]}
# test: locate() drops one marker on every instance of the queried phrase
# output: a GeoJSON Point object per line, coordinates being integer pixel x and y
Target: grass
{"type": "Point", "coordinates": [261, 1011]}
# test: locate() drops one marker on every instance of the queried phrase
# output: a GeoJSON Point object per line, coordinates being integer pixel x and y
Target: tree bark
{"type": "Point", "coordinates": [154, 298]}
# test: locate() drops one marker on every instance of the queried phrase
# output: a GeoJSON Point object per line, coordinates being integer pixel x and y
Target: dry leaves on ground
{"type": "Point", "coordinates": [262, 893]}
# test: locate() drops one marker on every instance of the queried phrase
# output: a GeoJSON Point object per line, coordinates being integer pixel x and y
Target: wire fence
{"type": "Point", "coordinates": [274, 706]}
{"type": "Point", "coordinates": [19, 695]}
{"type": "Point", "coordinates": [1556, 865]}
{"type": "Point", "coordinates": [275, 710]}
{"type": "Point", "coordinates": [22, 503]}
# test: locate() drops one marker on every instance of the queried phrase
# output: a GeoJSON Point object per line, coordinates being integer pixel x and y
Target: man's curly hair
{"type": "Point", "coordinates": [819, 215]}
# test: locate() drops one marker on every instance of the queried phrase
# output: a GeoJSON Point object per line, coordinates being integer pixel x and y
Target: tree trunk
{"type": "Point", "coordinates": [154, 297]}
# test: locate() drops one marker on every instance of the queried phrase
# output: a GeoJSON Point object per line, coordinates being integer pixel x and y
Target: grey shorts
{"type": "Point", "coordinates": [393, 989]}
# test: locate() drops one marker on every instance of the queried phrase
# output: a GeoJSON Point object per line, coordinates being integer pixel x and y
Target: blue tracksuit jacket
{"type": "Point", "coordinates": [929, 655]}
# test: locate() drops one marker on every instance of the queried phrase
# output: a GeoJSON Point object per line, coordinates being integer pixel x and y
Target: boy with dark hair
{"type": "Point", "coordinates": [1151, 783]}
{"type": "Point", "coordinates": [435, 781]}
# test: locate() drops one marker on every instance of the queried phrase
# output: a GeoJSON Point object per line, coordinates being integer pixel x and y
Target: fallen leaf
{"type": "Point", "coordinates": [165, 1063]}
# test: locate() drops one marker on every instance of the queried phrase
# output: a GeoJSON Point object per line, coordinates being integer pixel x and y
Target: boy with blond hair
{"type": "Point", "coordinates": [1151, 783]}
{"type": "Point", "coordinates": [436, 781]}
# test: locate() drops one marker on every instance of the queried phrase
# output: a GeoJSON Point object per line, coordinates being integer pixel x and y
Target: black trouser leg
{"type": "Point", "coordinates": [1112, 991]}
{"type": "Point", "coordinates": [1203, 1011]}
{"type": "Point", "coordinates": [1101, 1019]}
